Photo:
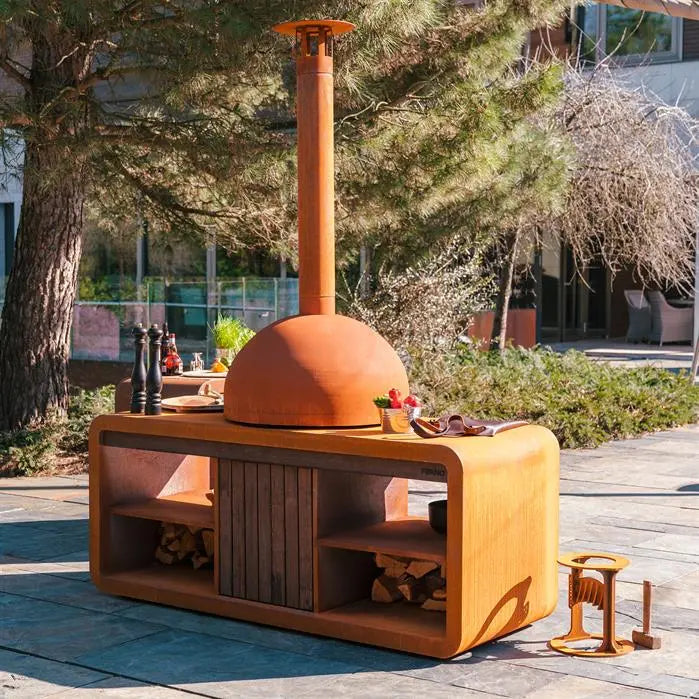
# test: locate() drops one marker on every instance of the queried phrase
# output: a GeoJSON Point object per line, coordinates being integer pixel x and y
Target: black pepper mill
{"type": "Point", "coordinates": [154, 379]}
{"type": "Point", "coordinates": [138, 375]}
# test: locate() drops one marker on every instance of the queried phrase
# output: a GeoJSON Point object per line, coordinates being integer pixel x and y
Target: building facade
{"type": "Point", "coordinates": [652, 50]}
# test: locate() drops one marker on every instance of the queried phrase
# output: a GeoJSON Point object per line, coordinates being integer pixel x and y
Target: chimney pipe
{"type": "Point", "coordinates": [316, 369]}
{"type": "Point", "coordinates": [316, 168]}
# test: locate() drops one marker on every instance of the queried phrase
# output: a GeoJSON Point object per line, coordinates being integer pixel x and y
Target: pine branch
{"type": "Point", "coordinates": [6, 64]}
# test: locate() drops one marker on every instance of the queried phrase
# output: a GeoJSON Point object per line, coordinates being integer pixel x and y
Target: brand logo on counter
{"type": "Point", "coordinates": [433, 471]}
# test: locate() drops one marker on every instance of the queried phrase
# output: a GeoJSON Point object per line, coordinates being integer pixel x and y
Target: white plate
{"type": "Point", "coordinates": [192, 404]}
{"type": "Point", "coordinates": [205, 374]}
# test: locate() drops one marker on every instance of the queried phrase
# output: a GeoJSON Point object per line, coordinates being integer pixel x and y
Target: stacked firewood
{"type": "Point", "coordinates": [417, 581]}
{"type": "Point", "coordinates": [179, 542]}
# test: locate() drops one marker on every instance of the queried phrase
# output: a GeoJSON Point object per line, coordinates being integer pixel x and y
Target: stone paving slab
{"type": "Point", "coordinates": [28, 676]}
{"type": "Point", "coordinates": [122, 688]}
{"type": "Point", "coordinates": [60, 637]}
{"type": "Point", "coordinates": [62, 632]}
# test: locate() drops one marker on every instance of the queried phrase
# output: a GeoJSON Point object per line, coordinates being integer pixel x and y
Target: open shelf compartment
{"type": "Point", "coordinates": [189, 507]}
{"type": "Point", "coordinates": [399, 617]}
{"type": "Point", "coordinates": [358, 516]}
{"type": "Point", "coordinates": [411, 537]}
{"type": "Point", "coordinates": [180, 578]}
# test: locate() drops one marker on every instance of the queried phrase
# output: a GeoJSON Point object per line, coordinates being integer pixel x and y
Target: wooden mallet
{"type": "Point", "coordinates": [645, 638]}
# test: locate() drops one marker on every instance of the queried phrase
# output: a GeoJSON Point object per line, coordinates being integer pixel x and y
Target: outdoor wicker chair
{"type": "Point", "coordinates": [639, 316]}
{"type": "Point", "coordinates": [669, 324]}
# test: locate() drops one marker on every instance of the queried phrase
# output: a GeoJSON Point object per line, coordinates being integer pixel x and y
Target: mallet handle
{"type": "Point", "coordinates": [647, 592]}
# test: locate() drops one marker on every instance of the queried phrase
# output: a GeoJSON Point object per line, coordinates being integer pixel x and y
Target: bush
{"type": "Point", "coordinates": [584, 403]}
{"type": "Point", "coordinates": [428, 305]}
{"type": "Point", "coordinates": [59, 442]}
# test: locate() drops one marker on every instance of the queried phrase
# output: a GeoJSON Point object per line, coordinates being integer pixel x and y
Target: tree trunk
{"type": "Point", "coordinates": [38, 311]}
{"type": "Point", "coordinates": [502, 303]}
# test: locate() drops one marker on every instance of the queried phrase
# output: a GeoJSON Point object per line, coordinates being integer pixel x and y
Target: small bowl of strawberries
{"type": "Point", "coordinates": [396, 412]}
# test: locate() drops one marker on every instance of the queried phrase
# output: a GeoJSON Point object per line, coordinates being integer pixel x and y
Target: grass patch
{"type": "Point", "coordinates": [584, 403]}
{"type": "Point", "coordinates": [59, 443]}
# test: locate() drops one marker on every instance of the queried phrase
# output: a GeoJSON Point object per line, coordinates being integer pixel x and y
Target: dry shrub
{"type": "Point", "coordinates": [426, 306]}
{"type": "Point", "coordinates": [635, 189]}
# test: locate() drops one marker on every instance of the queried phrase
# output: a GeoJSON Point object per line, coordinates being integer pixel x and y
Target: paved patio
{"type": "Point", "coordinates": [59, 637]}
{"type": "Point", "coordinates": [632, 355]}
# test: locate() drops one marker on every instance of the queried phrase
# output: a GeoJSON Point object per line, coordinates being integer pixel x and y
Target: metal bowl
{"type": "Point", "coordinates": [397, 420]}
{"type": "Point", "coordinates": [438, 515]}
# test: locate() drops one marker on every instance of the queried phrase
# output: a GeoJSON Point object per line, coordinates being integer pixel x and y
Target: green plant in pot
{"type": "Point", "coordinates": [230, 336]}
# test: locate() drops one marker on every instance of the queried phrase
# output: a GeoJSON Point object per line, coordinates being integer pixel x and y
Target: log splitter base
{"type": "Point", "coordinates": [583, 589]}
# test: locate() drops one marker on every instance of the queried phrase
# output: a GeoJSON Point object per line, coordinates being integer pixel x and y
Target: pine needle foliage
{"type": "Point", "coordinates": [188, 117]}
{"type": "Point", "coordinates": [183, 113]}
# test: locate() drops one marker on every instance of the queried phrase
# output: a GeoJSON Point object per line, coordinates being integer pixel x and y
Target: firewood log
{"type": "Point", "coordinates": [188, 544]}
{"type": "Point", "coordinates": [412, 589]}
{"type": "Point", "coordinates": [433, 581]}
{"type": "Point", "coordinates": [420, 568]}
{"type": "Point", "coordinates": [393, 567]}
{"type": "Point", "coordinates": [440, 594]}
{"type": "Point", "coordinates": [165, 556]}
{"type": "Point", "coordinates": [385, 589]}
{"type": "Point", "coordinates": [169, 532]}
{"type": "Point", "coordinates": [433, 605]}
{"type": "Point", "coordinates": [198, 560]}
{"type": "Point", "coordinates": [207, 536]}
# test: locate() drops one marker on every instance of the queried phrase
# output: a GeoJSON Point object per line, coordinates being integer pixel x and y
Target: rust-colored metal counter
{"type": "Point", "coordinates": [299, 514]}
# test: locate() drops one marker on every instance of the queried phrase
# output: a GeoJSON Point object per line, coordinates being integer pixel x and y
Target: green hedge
{"type": "Point", "coordinates": [58, 443]}
{"type": "Point", "coordinates": [583, 402]}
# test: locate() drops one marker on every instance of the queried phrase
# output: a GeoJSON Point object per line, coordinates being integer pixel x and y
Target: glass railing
{"type": "Point", "coordinates": [102, 324]}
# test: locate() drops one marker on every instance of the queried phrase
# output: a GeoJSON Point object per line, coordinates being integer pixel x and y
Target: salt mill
{"type": "Point", "coordinates": [154, 379]}
{"type": "Point", "coordinates": [138, 375]}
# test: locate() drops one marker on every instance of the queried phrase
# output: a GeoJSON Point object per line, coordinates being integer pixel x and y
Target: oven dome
{"type": "Point", "coordinates": [312, 371]}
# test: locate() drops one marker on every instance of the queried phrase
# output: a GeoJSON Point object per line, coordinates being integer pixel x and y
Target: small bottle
{"type": "Point", "coordinates": [164, 351]}
{"type": "Point", "coordinates": [173, 362]}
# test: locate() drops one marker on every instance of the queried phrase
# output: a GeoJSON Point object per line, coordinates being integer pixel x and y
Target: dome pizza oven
{"type": "Point", "coordinates": [317, 369]}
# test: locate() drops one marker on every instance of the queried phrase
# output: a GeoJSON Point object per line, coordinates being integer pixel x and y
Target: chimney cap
{"type": "Point", "coordinates": [336, 26]}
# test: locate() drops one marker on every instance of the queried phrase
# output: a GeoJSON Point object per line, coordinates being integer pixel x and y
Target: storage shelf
{"type": "Point", "coordinates": [190, 507]}
{"type": "Point", "coordinates": [175, 578]}
{"type": "Point", "coordinates": [397, 617]}
{"type": "Point", "coordinates": [411, 538]}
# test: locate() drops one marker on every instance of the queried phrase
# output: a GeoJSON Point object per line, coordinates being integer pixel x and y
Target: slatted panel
{"type": "Point", "coordinates": [238, 527]}
{"type": "Point", "coordinates": [305, 502]}
{"type": "Point", "coordinates": [264, 533]}
{"type": "Point", "coordinates": [269, 528]}
{"type": "Point", "coordinates": [225, 544]}
{"type": "Point", "coordinates": [278, 544]}
{"type": "Point", "coordinates": [251, 537]}
{"type": "Point", "coordinates": [291, 535]}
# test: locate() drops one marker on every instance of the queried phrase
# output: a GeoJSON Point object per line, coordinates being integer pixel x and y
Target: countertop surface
{"type": "Point", "coordinates": [520, 442]}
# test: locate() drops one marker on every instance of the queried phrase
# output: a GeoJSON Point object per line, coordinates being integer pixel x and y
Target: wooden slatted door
{"type": "Point", "coordinates": [266, 533]}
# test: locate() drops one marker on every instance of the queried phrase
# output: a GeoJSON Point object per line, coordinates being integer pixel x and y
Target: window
{"type": "Point", "coordinates": [627, 36]}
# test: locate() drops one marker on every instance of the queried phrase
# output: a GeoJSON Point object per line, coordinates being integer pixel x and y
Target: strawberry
{"type": "Point", "coordinates": [412, 402]}
{"type": "Point", "coordinates": [396, 403]}
{"type": "Point", "coordinates": [394, 394]}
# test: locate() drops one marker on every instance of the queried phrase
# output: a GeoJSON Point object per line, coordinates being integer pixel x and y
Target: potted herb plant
{"type": "Point", "coordinates": [230, 336]}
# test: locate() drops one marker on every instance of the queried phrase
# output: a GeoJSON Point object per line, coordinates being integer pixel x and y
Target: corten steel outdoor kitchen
{"type": "Point", "coordinates": [296, 496]}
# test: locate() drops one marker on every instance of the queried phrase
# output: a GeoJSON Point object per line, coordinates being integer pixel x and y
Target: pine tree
{"type": "Point", "coordinates": [186, 110]}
